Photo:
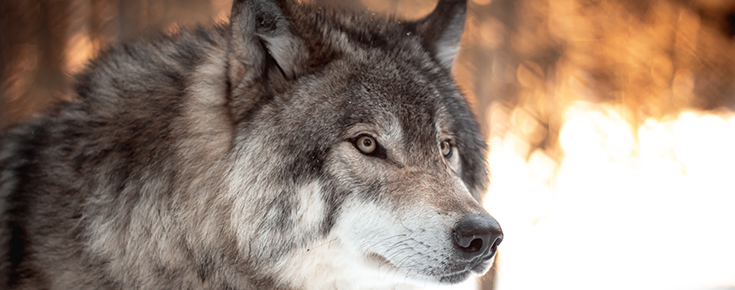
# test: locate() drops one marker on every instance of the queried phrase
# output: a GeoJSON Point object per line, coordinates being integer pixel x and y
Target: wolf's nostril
{"type": "Point", "coordinates": [474, 246]}
{"type": "Point", "coordinates": [471, 244]}
{"type": "Point", "coordinates": [496, 243]}
{"type": "Point", "coordinates": [477, 235]}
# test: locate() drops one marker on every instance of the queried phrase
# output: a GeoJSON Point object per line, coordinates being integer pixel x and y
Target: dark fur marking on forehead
{"type": "Point", "coordinates": [415, 99]}
{"type": "Point", "coordinates": [406, 96]}
{"type": "Point", "coordinates": [418, 106]}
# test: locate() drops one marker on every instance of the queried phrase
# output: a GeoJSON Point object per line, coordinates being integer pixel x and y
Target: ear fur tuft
{"type": "Point", "coordinates": [442, 30]}
{"type": "Point", "coordinates": [255, 22]}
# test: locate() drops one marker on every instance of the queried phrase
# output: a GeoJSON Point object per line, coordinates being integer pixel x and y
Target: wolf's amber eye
{"type": "Point", "coordinates": [366, 144]}
{"type": "Point", "coordinates": [446, 148]}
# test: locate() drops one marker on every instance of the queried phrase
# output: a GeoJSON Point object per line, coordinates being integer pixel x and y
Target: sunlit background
{"type": "Point", "coordinates": [611, 123]}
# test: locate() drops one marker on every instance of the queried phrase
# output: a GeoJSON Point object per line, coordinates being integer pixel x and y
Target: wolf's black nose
{"type": "Point", "coordinates": [477, 235]}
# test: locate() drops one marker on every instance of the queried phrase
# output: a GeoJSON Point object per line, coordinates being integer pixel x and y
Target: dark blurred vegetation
{"type": "Point", "coordinates": [652, 57]}
{"type": "Point", "coordinates": [43, 42]}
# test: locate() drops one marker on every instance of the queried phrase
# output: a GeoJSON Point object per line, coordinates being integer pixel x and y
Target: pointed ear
{"type": "Point", "coordinates": [259, 29]}
{"type": "Point", "coordinates": [442, 30]}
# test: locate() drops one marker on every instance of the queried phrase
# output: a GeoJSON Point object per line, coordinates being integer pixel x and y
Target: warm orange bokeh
{"type": "Point", "coordinates": [614, 168]}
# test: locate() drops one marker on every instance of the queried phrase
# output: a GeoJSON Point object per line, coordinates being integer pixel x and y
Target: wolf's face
{"type": "Point", "coordinates": [405, 208]}
{"type": "Point", "coordinates": [360, 162]}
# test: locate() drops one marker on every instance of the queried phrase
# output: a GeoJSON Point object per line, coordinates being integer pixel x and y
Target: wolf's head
{"type": "Point", "coordinates": [357, 158]}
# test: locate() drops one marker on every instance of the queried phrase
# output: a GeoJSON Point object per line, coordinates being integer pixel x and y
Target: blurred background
{"type": "Point", "coordinates": [611, 123]}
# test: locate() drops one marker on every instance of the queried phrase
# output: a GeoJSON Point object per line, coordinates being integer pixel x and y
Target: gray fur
{"type": "Point", "coordinates": [215, 158]}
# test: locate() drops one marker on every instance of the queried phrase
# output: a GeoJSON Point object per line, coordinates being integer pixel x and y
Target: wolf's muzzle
{"type": "Point", "coordinates": [477, 235]}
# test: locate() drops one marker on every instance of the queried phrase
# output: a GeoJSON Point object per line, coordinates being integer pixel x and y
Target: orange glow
{"type": "Point", "coordinates": [80, 50]}
{"type": "Point", "coordinates": [482, 2]}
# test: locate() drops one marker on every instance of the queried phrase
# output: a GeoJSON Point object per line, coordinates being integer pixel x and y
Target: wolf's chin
{"type": "Point", "coordinates": [478, 269]}
{"type": "Point", "coordinates": [441, 279]}
{"type": "Point", "coordinates": [455, 278]}
{"type": "Point", "coordinates": [380, 260]}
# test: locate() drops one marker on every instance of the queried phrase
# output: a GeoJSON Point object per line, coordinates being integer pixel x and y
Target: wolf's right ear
{"type": "Point", "coordinates": [261, 31]}
{"type": "Point", "coordinates": [442, 30]}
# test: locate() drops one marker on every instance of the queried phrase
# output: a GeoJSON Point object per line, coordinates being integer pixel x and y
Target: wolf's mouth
{"type": "Point", "coordinates": [463, 270]}
{"type": "Point", "coordinates": [476, 266]}
{"type": "Point", "coordinates": [380, 260]}
{"type": "Point", "coordinates": [452, 278]}
{"type": "Point", "coordinates": [455, 277]}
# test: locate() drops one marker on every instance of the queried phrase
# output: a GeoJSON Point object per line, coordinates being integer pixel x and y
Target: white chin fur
{"type": "Point", "coordinates": [358, 251]}
{"type": "Point", "coordinates": [328, 264]}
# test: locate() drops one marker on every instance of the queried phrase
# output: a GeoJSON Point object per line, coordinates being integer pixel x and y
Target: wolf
{"type": "Point", "coordinates": [294, 147]}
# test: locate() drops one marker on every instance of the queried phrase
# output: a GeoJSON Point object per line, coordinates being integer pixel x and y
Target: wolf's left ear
{"type": "Point", "coordinates": [442, 30]}
{"type": "Point", "coordinates": [260, 28]}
